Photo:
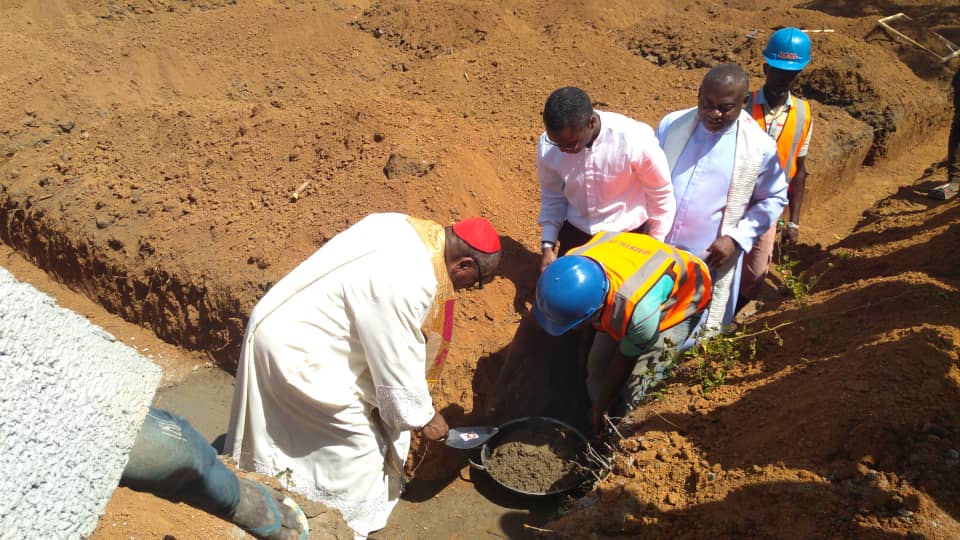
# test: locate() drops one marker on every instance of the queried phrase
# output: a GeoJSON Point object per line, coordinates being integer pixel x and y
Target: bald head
{"type": "Point", "coordinates": [723, 93]}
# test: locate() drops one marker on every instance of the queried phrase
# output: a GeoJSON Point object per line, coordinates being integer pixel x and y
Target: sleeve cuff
{"type": "Point", "coordinates": [550, 233]}
{"type": "Point", "coordinates": [742, 241]}
{"type": "Point", "coordinates": [403, 408]}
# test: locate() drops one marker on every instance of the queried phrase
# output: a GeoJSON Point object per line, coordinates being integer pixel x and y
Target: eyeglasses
{"type": "Point", "coordinates": [576, 145]}
{"type": "Point", "coordinates": [479, 283]}
{"type": "Point", "coordinates": [568, 146]}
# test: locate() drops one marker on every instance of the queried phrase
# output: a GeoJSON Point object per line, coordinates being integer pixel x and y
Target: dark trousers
{"type": "Point", "coordinates": [172, 460]}
{"type": "Point", "coordinates": [953, 148]}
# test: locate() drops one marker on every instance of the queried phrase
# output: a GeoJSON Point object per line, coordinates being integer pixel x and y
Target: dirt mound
{"type": "Point", "coordinates": [428, 29]}
{"type": "Point", "coordinates": [151, 149]}
{"type": "Point", "coordinates": [133, 514]}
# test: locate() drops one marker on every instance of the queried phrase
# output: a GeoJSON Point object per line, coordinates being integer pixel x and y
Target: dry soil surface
{"type": "Point", "coordinates": [150, 151]}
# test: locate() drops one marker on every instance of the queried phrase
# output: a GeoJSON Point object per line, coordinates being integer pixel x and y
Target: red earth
{"type": "Point", "coordinates": [150, 151]}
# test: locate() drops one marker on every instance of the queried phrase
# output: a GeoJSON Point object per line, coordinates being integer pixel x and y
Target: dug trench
{"type": "Point", "coordinates": [165, 197]}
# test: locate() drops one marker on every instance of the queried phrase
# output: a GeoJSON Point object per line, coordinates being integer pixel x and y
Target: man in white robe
{"type": "Point", "coordinates": [727, 179]}
{"type": "Point", "coordinates": [332, 375]}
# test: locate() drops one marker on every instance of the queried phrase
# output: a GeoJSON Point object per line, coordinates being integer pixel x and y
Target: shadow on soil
{"type": "Point", "coordinates": [930, 12]}
{"type": "Point", "coordinates": [863, 398]}
{"type": "Point", "coordinates": [522, 267]}
{"type": "Point", "coordinates": [744, 513]}
{"type": "Point", "coordinates": [864, 418]}
{"type": "Point", "coordinates": [865, 413]}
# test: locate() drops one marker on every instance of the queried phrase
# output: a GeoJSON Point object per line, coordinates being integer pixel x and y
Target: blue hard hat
{"type": "Point", "coordinates": [569, 292]}
{"type": "Point", "coordinates": [788, 49]}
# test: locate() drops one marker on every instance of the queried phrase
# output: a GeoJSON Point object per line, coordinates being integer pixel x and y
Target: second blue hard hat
{"type": "Point", "coordinates": [788, 49]}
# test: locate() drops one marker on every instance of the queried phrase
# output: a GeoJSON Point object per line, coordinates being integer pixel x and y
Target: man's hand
{"type": "Point", "coordinates": [549, 256]}
{"type": "Point", "coordinates": [436, 429]}
{"type": "Point", "coordinates": [599, 409]}
{"type": "Point", "coordinates": [720, 251]}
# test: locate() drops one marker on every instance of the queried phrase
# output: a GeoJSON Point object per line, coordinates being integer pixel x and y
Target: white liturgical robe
{"type": "Point", "coordinates": [331, 377]}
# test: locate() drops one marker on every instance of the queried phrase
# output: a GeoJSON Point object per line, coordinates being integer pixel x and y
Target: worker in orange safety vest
{"type": "Point", "coordinates": [787, 119]}
{"type": "Point", "coordinates": [644, 298]}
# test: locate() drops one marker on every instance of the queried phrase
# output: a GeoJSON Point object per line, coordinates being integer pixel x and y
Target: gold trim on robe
{"type": "Point", "coordinates": [438, 326]}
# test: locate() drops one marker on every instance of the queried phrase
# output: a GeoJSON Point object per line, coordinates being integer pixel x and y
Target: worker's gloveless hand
{"type": "Point", "coordinates": [599, 409]}
{"type": "Point", "coordinates": [549, 256]}
{"type": "Point", "coordinates": [436, 429]}
{"type": "Point", "coordinates": [720, 251]}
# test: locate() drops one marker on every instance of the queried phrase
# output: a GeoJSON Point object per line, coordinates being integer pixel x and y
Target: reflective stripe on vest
{"type": "Point", "coordinates": [798, 123]}
{"type": "Point", "coordinates": [634, 263]}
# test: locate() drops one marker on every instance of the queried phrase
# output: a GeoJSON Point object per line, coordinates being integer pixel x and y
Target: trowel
{"type": "Point", "coordinates": [465, 438]}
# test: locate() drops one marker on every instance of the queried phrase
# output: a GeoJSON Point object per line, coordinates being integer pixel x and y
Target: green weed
{"type": "Point", "coordinates": [715, 356]}
{"type": "Point", "coordinates": [800, 284]}
{"type": "Point", "coordinates": [285, 477]}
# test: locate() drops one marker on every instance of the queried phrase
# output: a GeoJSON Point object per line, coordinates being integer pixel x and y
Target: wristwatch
{"type": "Point", "coordinates": [792, 225]}
{"type": "Point", "coordinates": [546, 244]}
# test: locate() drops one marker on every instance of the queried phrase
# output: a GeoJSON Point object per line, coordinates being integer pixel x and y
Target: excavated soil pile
{"type": "Point", "coordinates": [537, 457]}
{"type": "Point", "coordinates": [150, 150]}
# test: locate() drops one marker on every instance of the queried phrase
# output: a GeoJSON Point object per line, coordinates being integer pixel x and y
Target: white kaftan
{"type": "Point", "coordinates": [331, 376]}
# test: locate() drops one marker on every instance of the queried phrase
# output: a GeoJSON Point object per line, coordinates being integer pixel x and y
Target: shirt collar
{"type": "Point", "coordinates": [761, 99]}
{"type": "Point", "coordinates": [603, 127]}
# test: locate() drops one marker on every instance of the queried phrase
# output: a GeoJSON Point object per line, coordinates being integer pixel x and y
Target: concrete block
{"type": "Point", "coordinates": [72, 399]}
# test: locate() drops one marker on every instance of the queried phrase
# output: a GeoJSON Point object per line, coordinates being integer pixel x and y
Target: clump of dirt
{"type": "Point", "coordinates": [669, 47]}
{"type": "Point", "coordinates": [398, 165]}
{"type": "Point", "coordinates": [116, 10]}
{"type": "Point", "coordinates": [841, 85]}
{"type": "Point", "coordinates": [538, 457]}
{"type": "Point", "coordinates": [426, 29]}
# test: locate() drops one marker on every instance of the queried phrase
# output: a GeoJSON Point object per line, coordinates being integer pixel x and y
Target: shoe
{"type": "Point", "coordinates": [945, 191]}
{"type": "Point", "coordinates": [258, 504]}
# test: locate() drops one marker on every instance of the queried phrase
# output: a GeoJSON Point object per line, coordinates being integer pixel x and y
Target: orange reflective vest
{"type": "Point", "coordinates": [794, 134]}
{"type": "Point", "coordinates": [633, 264]}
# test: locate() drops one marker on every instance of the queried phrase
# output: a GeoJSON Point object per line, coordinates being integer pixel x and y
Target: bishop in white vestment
{"type": "Point", "coordinates": [334, 365]}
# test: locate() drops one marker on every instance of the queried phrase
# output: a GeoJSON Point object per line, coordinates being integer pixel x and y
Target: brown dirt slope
{"type": "Point", "coordinates": [154, 146]}
{"type": "Point", "coordinates": [150, 148]}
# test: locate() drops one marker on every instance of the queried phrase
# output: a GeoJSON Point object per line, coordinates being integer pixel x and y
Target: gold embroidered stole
{"type": "Point", "coordinates": [438, 326]}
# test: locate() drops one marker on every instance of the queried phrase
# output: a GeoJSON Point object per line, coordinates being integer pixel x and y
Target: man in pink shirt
{"type": "Point", "coordinates": [598, 171]}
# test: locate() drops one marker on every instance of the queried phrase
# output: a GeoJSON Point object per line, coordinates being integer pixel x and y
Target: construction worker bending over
{"type": "Point", "coordinates": [643, 296]}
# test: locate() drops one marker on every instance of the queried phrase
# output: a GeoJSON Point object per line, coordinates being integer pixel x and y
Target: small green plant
{"type": "Point", "coordinates": [659, 394]}
{"type": "Point", "coordinates": [285, 477]}
{"type": "Point", "coordinates": [799, 284]}
{"type": "Point", "coordinates": [715, 356]}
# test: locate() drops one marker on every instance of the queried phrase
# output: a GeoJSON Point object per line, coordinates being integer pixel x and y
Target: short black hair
{"type": "Point", "coordinates": [722, 75]}
{"type": "Point", "coordinates": [567, 107]}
